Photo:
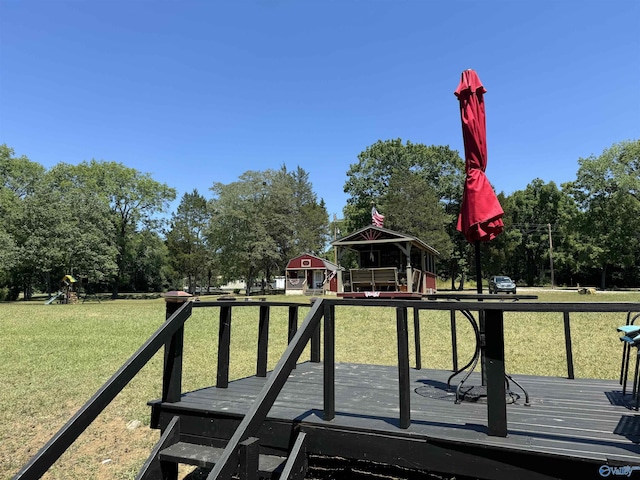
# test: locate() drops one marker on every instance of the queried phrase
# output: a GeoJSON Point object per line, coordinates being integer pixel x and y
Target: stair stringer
{"type": "Point", "coordinates": [153, 468]}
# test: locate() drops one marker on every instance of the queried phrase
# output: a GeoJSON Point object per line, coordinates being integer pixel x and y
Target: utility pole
{"type": "Point", "coordinates": [551, 255]}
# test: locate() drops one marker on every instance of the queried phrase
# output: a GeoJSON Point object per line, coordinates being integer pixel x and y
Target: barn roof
{"type": "Point", "coordinates": [317, 262]}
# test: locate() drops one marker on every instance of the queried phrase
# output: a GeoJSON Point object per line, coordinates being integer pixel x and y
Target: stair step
{"type": "Point", "coordinates": [206, 457]}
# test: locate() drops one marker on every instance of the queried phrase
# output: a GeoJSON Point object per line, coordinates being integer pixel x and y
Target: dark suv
{"type": "Point", "coordinates": [500, 283]}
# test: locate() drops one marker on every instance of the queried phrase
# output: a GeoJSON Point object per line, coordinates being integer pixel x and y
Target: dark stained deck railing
{"type": "Point", "coordinates": [250, 424]}
{"type": "Point", "coordinates": [264, 319]}
{"type": "Point", "coordinates": [171, 334]}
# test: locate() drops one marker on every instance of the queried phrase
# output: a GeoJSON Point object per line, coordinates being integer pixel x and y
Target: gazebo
{"type": "Point", "coordinates": [388, 261]}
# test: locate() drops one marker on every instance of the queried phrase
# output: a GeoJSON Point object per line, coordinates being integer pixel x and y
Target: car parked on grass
{"type": "Point", "coordinates": [501, 283]}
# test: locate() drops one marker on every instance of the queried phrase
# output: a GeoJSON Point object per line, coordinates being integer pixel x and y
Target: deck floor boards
{"type": "Point", "coordinates": [578, 418]}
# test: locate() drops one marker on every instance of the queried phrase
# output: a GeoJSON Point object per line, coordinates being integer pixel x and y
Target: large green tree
{"type": "Point", "coordinates": [19, 178]}
{"type": "Point", "coordinates": [259, 222]}
{"type": "Point", "coordinates": [136, 202]}
{"type": "Point", "coordinates": [186, 239]}
{"type": "Point", "coordinates": [368, 180]}
{"type": "Point", "coordinates": [64, 229]}
{"type": "Point", "coordinates": [428, 179]}
{"type": "Point", "coordinates": [413, 206]}
{"type": "Point", "coordinates": [523, 250]}
{"type": "Point", "coordinates": [240, 227]}
{"type": "Point", "coordinates": [607, 189]}
{"type": "Point", "coordinates": [149, 267]}
{"type": "Point", "coordinates": [302, 218]}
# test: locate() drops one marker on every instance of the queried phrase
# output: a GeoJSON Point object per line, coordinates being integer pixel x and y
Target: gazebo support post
{"type": "Point", "coordinates": [409, 269]}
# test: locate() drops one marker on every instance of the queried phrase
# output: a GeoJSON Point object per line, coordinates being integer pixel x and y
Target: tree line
{"type": "Point", "coordinates": [586, 231]}
{"type": "Point", "coordinates": [110, 225]}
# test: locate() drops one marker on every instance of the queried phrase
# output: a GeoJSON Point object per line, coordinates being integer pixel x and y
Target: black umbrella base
{"type": "Point", "coordinates": [478, 394]}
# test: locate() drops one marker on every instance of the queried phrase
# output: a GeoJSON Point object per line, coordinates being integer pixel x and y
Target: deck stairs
{"type": "Point", "coordinates": [241, 456]}
{"type": "Point", "coordinates": [171, 450]}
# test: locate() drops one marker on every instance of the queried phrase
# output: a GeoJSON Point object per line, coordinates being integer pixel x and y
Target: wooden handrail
{"type": "Point", "coordinates": [58, 444]}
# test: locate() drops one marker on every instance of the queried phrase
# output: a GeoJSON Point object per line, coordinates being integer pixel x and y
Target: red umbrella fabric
{"type": "Point", "coordinates": [480, 217]}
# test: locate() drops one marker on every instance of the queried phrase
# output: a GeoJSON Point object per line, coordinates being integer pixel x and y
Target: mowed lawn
{"type": "Point", "coordinates": [54, 358]}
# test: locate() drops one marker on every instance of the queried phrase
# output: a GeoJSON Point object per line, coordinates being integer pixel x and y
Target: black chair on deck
{"type": "Point", "coordinates": [630, 339]}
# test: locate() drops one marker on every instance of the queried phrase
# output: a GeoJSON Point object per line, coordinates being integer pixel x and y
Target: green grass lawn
{"type": "Point", "coordinates": [53, 359]}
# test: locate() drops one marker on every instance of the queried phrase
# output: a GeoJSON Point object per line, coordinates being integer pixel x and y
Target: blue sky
{"type": "Point", "coordinates": [197, 92]}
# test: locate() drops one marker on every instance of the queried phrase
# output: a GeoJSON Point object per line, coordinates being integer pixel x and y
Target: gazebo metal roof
{"type": "Point", "coordinates": [378, 235]}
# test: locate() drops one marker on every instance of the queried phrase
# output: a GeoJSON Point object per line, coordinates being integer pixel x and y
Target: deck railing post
{"type": "Point", "coordinates": [625, 353]}
{"type": "Point", "coordinates": [224, 345]}
{"type": "Point", "coordinates": [454, 340]}
{"type": "Point", "coordinates": [293, 322]}
{"type": "Point", "coordinates": [173, 301]}
{"type": "Point", "coordinates": [248, 452]}
{"type": "Point", "coordinates": [315, 340]}
{"type": "Point", "coordinates": [568, 347]}
{"type": "Point", "coordinates": [416, 336]}
{"type": "Point", "coordinates": [172, 370]}
{"type": "Point", "coordinates": [225, 465]}
{"type": "Point", "coordinates": [496, 390]}
{"type": "Point", "coordinates": [403, 367]}
{"type": "Point", "coordinates": [315, 346]}
{"type": "Point", "coordinates": [263, 342]}
{"type": "Point", "coordinates": [329, 362]}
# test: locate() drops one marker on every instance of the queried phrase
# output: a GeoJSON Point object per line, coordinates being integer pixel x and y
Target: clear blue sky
{"type": "Point", "coordinates": [197, 92]}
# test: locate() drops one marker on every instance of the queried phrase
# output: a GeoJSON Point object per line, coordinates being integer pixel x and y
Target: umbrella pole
{"type": "Point", "coordinates": [478, 268]}
{"type": "Point", "coordinates": [483, 370]}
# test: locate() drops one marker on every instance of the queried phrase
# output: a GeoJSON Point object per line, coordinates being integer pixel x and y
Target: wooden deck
{"type": "Point", "coordinates": [393, 415]}
{"type": "Point", "coordinates": [571, 429]}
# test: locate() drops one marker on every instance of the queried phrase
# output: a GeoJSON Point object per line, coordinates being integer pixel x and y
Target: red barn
{"type": "Point", "coordinates": [311, 275]}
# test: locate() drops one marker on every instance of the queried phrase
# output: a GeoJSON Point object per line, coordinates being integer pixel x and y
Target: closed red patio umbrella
{"type": "Point", "coordinates": [480, 218]}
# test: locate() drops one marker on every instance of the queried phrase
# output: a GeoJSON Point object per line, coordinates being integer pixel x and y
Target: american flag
{"type": "Point", "coordinates": [377, 218]}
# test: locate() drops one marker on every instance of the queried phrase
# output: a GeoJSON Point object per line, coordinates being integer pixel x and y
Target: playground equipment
{"type": "Point", "coordinates": [67, 292]}
{"type": "Point", "coordinates": [54, 297]}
